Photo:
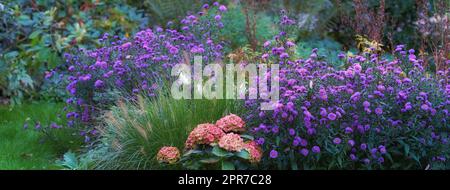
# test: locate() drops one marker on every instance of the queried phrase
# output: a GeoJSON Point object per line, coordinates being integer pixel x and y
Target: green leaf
{"type": "Point", "coordinates": [35, 34]}
{"type": "Point", "coordinates": [226, 165]}
{"type": "Point", "coordinates": [188, 153]}
{"type": "Point", "coordinates": [24, 20]}
{"type": "Point", "coordinates": [220, 152]}
{"type": "Point", "coordinates": [294, 165]}
{"type": "Point", "coordinates": [209, 160]}
{"type": "Point", "coordinates": [11, 54]}
{"type": "Point", "coordinates": [69, 161]}
{"type": "Point", "coordinates": [243, 154]}
{"type": "Point", "coordinates": [248, 137]}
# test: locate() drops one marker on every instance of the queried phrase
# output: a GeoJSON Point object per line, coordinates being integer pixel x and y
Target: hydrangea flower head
{"type": "Point", "coordinates": [204, 134]}
{"type": "Point", "coordinates": [254, 150]}
{"type": "Point", "coordinates": [231, 123]}
{"type": "Point", "coordinates": [231, 142]}
{"type": "Point", "coordinates": [168, 155]}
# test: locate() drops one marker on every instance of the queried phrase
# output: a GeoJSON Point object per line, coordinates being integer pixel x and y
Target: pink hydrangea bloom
{"type": "Point", "coordinates": [204, 134]}
{"type": "Point", "coordinates": [231, 123]}
{"type": "Point", "coordinates": [231, 142]}
{"type": "Point", "coordinates": [168, 155]}
{"type": "Point", "coordinates": [254, 150]}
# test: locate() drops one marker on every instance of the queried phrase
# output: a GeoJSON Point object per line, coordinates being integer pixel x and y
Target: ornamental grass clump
{"type": "Point", "coordinates": [133, 132]}
{"type": "Point", "coordinates": [373, 113]}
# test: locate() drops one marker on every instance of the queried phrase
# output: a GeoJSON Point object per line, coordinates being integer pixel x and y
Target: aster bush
{"type": "Point", "coordinates": [373, 113]}
{"type": "Point", "coordinates": [123, 68]}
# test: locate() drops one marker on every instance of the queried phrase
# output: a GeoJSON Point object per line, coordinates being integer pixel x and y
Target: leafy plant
{"type": "Point", "coordinates": [34, 35]}
{"type": "Point", "coordinates": [214, 157]}
{"type": "Point", "coordinates": [73, 162]}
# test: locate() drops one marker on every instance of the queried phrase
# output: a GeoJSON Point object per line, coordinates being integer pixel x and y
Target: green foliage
{"type": "Point", "coordinates": [26, 148]}
{"type": "Point", "coordinates": [134, 132]}
{"type": "Point", "coordinates": [34, 35]}
{"type": "Point", "coordinates": [315, 17]}
{"type": "Point", "coordinates": [163, 11]}
{"type": "Point", "coordinates": [214, 157]}
{"type": "Point", "coordinates": [327, 49]}
{"type": "Point", "coordinates": [235, 27]}
{"type": "Point", "coordinates": [73, 162]}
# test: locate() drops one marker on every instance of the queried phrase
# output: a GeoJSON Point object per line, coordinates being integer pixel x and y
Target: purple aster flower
{"type": "Point", "coordinates": [273, 154]}
{"type": "Point", "coordinates": [424, 107]}
{"type": "Point", "coordinates": [348, 130]}
{"type": "Point", "coordinates": [373, 150]}
{"type": "Point", "coordinates": [323, 112]}
{"type": "Point", "coordinates": [54, 126]}
{"type": "Point", "coordinates": [303, 143]}
{"type": "Point", "coordinates": [366, 161]}
{"type": "Point", "coordinates": [366, 104]}
{"type": "Point", "coordinates": [316, 149]}
{"type": "Point", "coordinates": [380, 160]}
{"type": "Point", "coordinates": [291, 132]}
{"type": "Point", "coordinates": [351, 143]}
{"type": "Point", "coordinates": [337, 140]}
{"type": "Point", "coordinates": [70, 123]}
{"type": "Point", "coordinates": [99, 84]}
{"type": "Point", "coordinates": [37, 126]}
{"type": "Point", "coordinates": [284, 55]}
{"type": "Point", "coordinates": [48, 74]}
{"type": "Point", "coordinates": [332, 116]}
{"type": "Point", "coordinates": [218, 17]}
{"type": "Point", "coordinates": [355, 97]}
{"type": "Point", "coordinates": [290, 44]}
{"type": "Point", "coordinates": [408, 106]}
{"type": "Point", "coordinates": [363, 146]}
{"type": "Point", "coordinates": [353, 157]}
{"type": "Point", "coordinates": [275, 129]}
{"type": "Point", "coordinates": [205, 6]}
{"type": "Point", "coordinates": [222, 8]}
{"type": "Point", "coordinates": [86, 77]}
{"type": "Point", "coordinates": [260, 141]}
{"type": "Point", "coordinates": [296, 141]}
{"type": "Point", "coordinates": [311, 131]}
{"type": "Point", "coordinates": [382, 149]}
{"type": "Point", "coordinates": [378, 111]}
{"type": "Point", "coordinates": [304, 152]}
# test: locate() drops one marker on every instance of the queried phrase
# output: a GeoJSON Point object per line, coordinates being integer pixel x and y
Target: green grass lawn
{"type": "Point", "coordinates": [26, 149]}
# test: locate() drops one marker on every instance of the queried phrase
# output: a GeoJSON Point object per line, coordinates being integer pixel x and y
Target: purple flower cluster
{"type": "Point", "coordinates": [379, 106]}
{"type": "Point", "coordinates": [128, 67]}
